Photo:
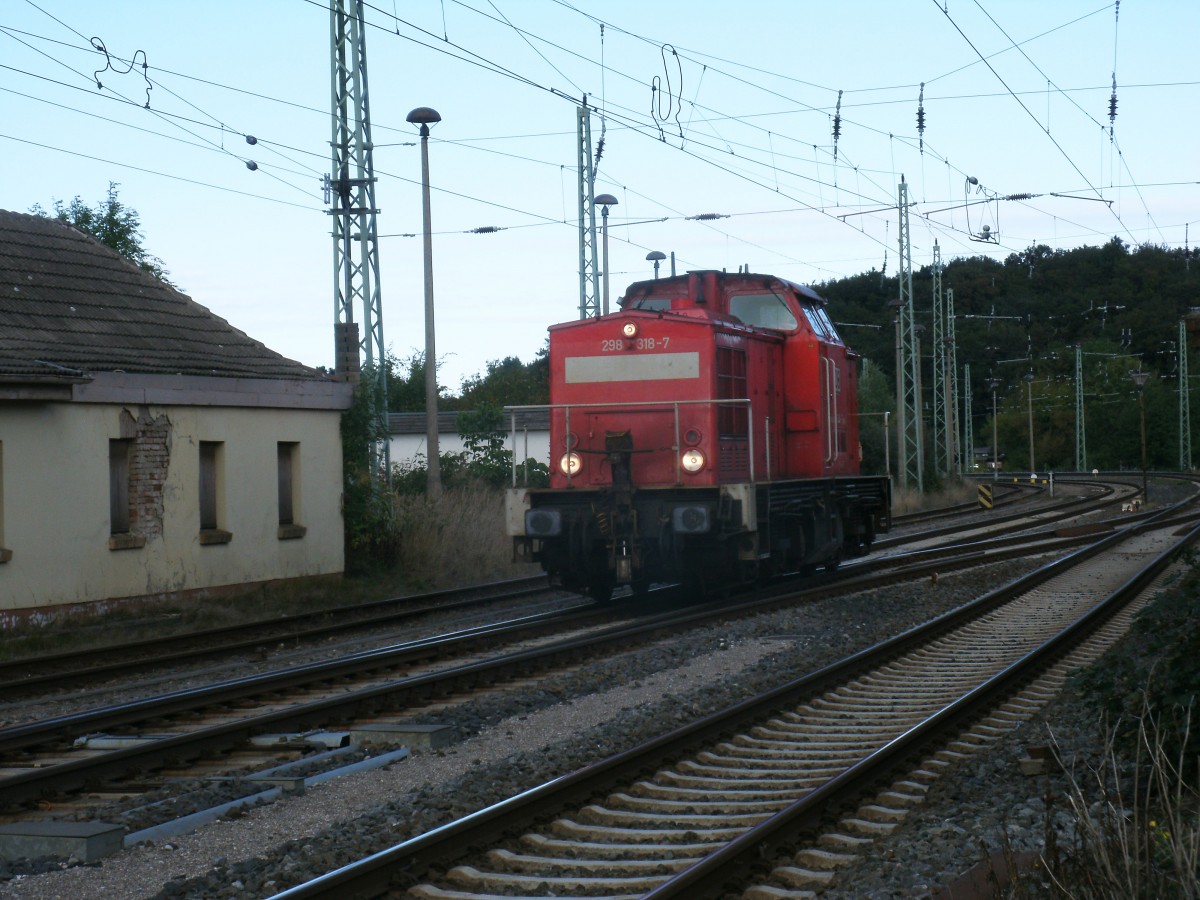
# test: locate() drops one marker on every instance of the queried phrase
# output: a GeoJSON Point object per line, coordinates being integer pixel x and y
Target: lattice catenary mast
{"type": "Point", "coordinates": [968, 430]}
{"type": "Point", "coordinates": [1080, 420]}
{"type": "Point", "coordinates": [941, 455]}
{"type": "Point", "coordinates": [1185, 406]}
{"type": "Point", "coordinates": [945, 374]}
{"type": "Point", "coordinates": [908, 363]}
{"type": "Point", "coordinates": [589, 271]}
{"type": "Point", "coordinates": [351, 188]}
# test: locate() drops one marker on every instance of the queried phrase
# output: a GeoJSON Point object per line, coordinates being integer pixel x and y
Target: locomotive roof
{"type": "Point", "coordinates": [640, 289]}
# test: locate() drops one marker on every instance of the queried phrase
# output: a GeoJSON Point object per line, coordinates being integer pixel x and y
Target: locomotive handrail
{"type": "Point", "coordinates": [674, 404]}
{"type": "Point", "coordinates": [830, 411]}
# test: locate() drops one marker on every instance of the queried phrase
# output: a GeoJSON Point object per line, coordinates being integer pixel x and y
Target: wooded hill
{"type": "Point", "coordinates": [1122, 308]}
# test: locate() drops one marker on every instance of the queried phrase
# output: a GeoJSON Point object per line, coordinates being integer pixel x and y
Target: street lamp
{"type": "Point", "coordinates": [1139, 381]}
{"type": "Point", "coordinates": [424, 116]}
{"type": "Point", "coordinates": [1029, 385]}
{"type": "Point", "coordinates": [605, 201]}
{"type": "Point", "coordinates": [994, 383]}
{"type": "Point", "coordinates": [654, 256]}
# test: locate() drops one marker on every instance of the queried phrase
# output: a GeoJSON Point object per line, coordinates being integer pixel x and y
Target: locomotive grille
{"type": "Point", "coordinates": [734, 463]}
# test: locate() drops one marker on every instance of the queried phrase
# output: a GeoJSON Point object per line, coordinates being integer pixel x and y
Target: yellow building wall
{"type": "Point", "coordinates": [55, 496]}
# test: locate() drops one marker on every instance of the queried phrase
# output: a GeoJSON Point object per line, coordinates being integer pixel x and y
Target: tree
{"type": "Point", "coordinates": [406, 384]}
{"type": "Point", "coordinates": [113, 224]}
{"type": "Point", "coordinates": [509, 382]}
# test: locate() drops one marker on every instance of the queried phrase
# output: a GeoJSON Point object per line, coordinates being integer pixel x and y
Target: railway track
{"type": "Point", "coordinates": [108, 771]}
{"type": "Point", "coordinates": [51, 757]}
{"type": "Point", "coordinates": [199, 723]}
{"type": "Point", "coordinates": [30, 673]}
{"type": "Point", "coordinates": [791, 776]}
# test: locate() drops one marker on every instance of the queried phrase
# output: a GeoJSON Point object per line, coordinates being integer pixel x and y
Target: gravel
{"type": "Point", "coordinates": [517, 739]}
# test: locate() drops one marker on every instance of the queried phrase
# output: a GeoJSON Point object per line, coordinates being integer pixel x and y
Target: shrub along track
{"type": "Point", "coordinates": [783, 777]}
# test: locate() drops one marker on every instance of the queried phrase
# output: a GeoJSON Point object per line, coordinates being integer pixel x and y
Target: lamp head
{"type": "Point", "coordinates": [423, 116]}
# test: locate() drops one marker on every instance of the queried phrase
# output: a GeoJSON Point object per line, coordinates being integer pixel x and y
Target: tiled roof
{"type": "Point", "coordinates": [70, 306]}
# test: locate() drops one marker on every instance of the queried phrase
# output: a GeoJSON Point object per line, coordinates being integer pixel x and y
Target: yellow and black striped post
{"type": "Point", "coordinates": [985, 496]}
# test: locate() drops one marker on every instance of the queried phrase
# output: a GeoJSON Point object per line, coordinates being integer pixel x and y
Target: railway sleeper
{"type": "Point", "coordinates": [797, 877]}
{"type": "Point", "coordinates": [896, 798]}
{"type": "Point", "coordinates": [797, 751]}
{"type": "Point", "coordinates": [492, 882]}
{"type": "Point", "coordinates": [843, 840]}
{"type": "Point", "coordinates": [732, 790]}
{"type": "Point", "coordinates": [573, 866]}
{"type": "Point", "coordinates": [877, 812]}
{"type": "Point", "coordinates": [602, 815]}
{"type": "Point", "coordinates": [568, 828]}
{"type": "Point", "coordinates": [715, 781]}
{"type": "Point", "coordinates": [820, 858]}
{"type": "Point", "coordinates": [816, 728]}
{"type": "Point", "coordinates": [613, 850]}
{"type": "Point", "coordinates": [766, 742]}
{"type": "Point", "coordinates": [770, 892]}
{"type": "Point", "coordinates": [722, 766]}
{"type": "Point", "coordinates": [716, 803]}
{"type": "Point", "coordinates": [868, 827]}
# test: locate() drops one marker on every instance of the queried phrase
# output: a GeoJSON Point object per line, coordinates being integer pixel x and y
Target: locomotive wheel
{"type": "Point", "coordinates": [600, 588]}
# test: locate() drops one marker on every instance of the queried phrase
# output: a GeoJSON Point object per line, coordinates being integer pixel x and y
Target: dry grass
{"type": "Point", "coordinates": [951, 493]}
{"type": "Point", "coordinates": [1136, 824]}
{"type": "Point", "coordinates": [456, 540]}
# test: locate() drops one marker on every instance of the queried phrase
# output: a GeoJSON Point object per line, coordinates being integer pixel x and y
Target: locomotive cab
{"type": "Point", "coordinates": [706, 432]}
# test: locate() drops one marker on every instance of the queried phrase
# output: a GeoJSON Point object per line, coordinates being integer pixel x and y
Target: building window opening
{"type": "Point", "coordinates": [212, 493]}
{"type": "Point", "coordinates": [289, 491]}
{"type": "Point", "coordinates": [119, 515]}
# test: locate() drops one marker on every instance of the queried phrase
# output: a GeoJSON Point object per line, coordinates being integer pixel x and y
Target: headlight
{"type": "Point", "coordinates": [692, 460]}
{"type": "Point", "coordinates": [570, 463]}
{"type": "Point", "coordinates": [630, 330]}
{"type": "Point", "coordinates": [692, 437]}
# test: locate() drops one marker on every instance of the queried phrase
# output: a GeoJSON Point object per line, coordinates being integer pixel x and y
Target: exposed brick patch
{"type": "Point", "coordinates": [147, 469]}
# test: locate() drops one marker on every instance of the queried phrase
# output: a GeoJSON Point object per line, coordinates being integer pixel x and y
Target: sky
{"type": "Point", "coordinates": [726, 111]}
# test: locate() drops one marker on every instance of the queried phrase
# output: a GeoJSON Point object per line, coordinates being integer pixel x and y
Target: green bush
{"type": "Point", "coordinates": [368, 513]}
{"type": "Point", "coordinates": [484, 461]}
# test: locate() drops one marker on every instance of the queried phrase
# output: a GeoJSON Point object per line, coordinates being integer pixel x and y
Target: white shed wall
{"type": "Point", "coordinates": [55, 490]}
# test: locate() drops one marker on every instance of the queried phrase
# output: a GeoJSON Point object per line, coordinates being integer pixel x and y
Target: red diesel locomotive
{"type": "Point", "coordinates": [706, 433]}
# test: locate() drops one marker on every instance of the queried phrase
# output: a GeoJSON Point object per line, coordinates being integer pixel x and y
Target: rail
{"type": "Point", "coordinates": [674, 405]}
{"type": "Point", "coordinates": [373, 875]}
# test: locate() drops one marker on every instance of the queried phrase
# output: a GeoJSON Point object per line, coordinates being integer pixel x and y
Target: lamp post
{"type": "Point", "coordinates": [994, 383]}
{"type": "Point", "coordinates": [424, 116]}
{"type": "Point", "coordinates": [1029, 385]}
{"type": "Point", "coordinates": [605, 201]}
{"type": "Point", "coordinates": [654, 256]}
{"type": "Point", "coordinates": [887, 444]}
{"type": "Point", "coordinates": [1139, 380]}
